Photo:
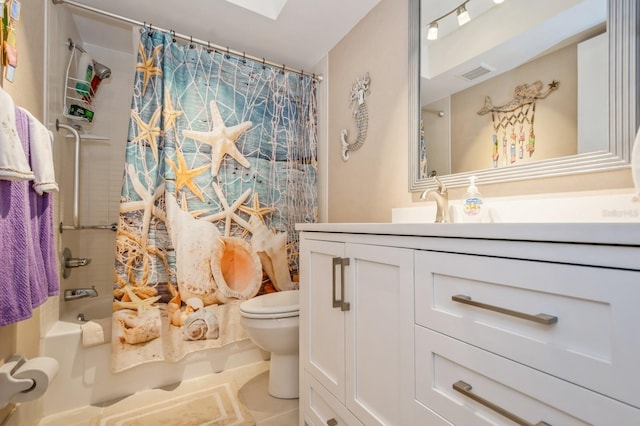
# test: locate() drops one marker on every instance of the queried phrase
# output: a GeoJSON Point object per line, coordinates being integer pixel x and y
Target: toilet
{"type": "Point", "coordinates": [272, 321]}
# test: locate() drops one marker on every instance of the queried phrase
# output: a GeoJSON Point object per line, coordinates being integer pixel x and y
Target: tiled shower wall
{"type": "Point", "coordinates": [101, 171]}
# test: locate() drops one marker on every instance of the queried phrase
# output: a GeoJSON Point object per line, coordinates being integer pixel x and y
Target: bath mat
{"type": "Point", "coordinates": [212, 406]}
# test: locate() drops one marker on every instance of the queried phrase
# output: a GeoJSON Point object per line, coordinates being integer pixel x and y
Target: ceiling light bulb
{"type": "Point", "coordinates": [463, 15]}
{"type": "Point", "coordinates": [498, 1]}
{"type": "Point", "coordinates": [432, 32]}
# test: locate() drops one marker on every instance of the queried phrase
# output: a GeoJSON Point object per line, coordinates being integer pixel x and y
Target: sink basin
{"type": "Point", "coordinates": [592, 207]}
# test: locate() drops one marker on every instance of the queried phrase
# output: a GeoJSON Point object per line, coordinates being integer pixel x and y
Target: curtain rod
{"type": "Point", "coordinates": [190, 39]}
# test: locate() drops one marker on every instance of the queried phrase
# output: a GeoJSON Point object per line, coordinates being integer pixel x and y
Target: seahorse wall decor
{"type": "Point", "coordinates": [361, 115]}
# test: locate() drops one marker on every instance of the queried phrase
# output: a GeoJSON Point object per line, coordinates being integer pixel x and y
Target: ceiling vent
{"type": "Point", "coordinates": [479, 71]}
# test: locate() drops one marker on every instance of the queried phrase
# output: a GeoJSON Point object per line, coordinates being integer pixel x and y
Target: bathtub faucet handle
{"type": "Point", "coordinates": [69, 262]}
{"type": "Point", "coordinates": [75, 262]}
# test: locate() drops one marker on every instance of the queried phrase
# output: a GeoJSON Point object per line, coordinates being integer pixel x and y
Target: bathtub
{"type": "Point", "coordinates": [85, 376]}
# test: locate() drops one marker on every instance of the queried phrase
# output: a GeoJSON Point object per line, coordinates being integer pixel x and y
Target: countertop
{"type": "Point", "coordinates": [625, 234]}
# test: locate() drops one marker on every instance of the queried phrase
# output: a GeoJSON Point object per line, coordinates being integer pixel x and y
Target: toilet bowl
{"type": "Point", "coordinates": [272, 322]}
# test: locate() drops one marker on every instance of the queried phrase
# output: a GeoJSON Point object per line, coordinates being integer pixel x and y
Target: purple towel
{"type": "Point", "coordinates": [28, 267]}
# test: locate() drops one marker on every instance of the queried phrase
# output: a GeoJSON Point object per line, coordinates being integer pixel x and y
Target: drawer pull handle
{"type": "Point", "coordinates": [332, 422]}
{"type": "Point", "coordinates": [339, 303]}
{"type": "Point", "coordinates": [545, 319]}
{"type": "Point", "coordinates": [465, 389]}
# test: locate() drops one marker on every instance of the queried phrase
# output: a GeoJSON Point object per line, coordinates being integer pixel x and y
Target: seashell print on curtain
{"type": "Point", "coordinates": [220, 165]}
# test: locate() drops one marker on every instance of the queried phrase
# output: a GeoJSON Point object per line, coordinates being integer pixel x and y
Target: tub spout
{"type": "Point", "coordinates": [79, 293]}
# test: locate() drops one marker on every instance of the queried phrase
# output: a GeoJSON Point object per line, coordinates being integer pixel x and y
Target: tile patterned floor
{"type": "Point", "coordinates": [251, 382]}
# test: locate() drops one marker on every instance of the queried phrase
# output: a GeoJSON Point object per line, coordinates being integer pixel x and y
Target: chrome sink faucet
{"type": "Point", "coordinates": [441, 196]}
{"type": "Point", "coordinates": [80, 293]}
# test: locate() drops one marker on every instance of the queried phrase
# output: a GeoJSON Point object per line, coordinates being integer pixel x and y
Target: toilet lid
{"type": "Point", "coordinates": [275, 305]}
{"type": "Point", "coordinates": [271, 316]}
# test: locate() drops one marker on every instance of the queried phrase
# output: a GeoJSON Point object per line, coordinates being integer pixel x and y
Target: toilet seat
{"type": "Point", "coordinates": [281, 304]}
{"type": "Point", "coordinates": [272, 322]}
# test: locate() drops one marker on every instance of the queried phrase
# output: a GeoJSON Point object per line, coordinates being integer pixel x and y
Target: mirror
{"type": "Point", "coordinates": [446, 93]}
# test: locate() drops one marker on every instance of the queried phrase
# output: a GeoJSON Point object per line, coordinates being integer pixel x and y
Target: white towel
{"type": "Point", "coordinates": [96, 332]}
{"type": "Point", "coordinates": [13, 161]}
{"type": "Point", "coordinates": [40, 139]}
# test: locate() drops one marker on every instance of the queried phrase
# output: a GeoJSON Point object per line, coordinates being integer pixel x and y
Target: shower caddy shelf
{"type": "Point", "coordinates": [74, 97]}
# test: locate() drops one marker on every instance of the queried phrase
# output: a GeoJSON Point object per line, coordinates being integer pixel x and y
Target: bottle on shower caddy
{"type": "Point", "coordinates": [84, 74]}
{"type": "Point", "coordinates": [473, 208]}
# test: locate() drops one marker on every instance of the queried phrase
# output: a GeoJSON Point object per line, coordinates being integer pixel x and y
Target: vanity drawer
{"type": "Point", "coordinates": [320, 407]}
{"type": "Point", "coordinates": [443, 363]}
{"type": "Point", "coordinates": [593, 342]}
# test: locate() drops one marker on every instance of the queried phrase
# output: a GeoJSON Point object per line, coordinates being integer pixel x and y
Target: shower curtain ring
{"type": "Point", "coordinates": [150, 31]}
{"type": "Point", "coordinates": [173, 36]}
{"type": "Point", "coordinates": [263, 65]}
{"type": "Point", "coordinates": [244, 58]}
{"type": "Point", "coordinates": [283, 66]}
{"type": "Point", "coordinates": [227, 55]}
{"type": "Point", "coordinates": [208, 47]}
{"type": "Point", "coordinates": [190, 42]}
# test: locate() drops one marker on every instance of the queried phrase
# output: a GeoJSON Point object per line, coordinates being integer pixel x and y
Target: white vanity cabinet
{"type": "Point", "coordinates": [356, 332]}
{"type": "Point", "coordinates": [470, 325]}
{"type": "Point", "coordinates": [516, 338]}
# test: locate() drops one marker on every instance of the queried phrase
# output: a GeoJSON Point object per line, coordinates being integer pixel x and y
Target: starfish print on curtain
{"type": "Point", "coordinates": [221, 138]}
{"type": "Point", "coordinates": [185, 175]}
{"type": "Point", "coordinates": [147, 65]}
{"type": "Point", "coordinates": [255, 208]}
{"type": "Point", "coordinates": [169, 114]}
{"type": "Point", "coordinates": [149, 132]}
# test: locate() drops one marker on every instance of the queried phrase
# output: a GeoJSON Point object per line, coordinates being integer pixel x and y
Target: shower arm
{"type": "Point", "coordinates": [76, 174]}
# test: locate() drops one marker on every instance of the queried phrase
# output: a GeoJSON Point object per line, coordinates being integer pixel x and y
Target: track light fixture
{"type": "Point", "coordinates": [432, 32]}
{"type": "Point", "coordinates": [462, 14]}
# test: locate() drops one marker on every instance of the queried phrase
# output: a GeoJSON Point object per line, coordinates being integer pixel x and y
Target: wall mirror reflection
{"type": "Point", "coordinates": [513, 89]}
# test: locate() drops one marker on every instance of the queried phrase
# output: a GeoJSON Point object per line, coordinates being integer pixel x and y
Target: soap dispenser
{"type": "Point", "coordinates": [473, 205]}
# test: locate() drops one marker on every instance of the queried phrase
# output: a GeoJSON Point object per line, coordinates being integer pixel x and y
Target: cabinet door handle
{"type": "Point", "coordinates": [539, 318]}
{"type": "Point", "coordinates": [337, 261]}
{"type": "Point", "coordinates": [339, 303]}
{"type": "Point", "coordinates": [332, 422]}
{"type": "Point", "coordinates": [465, 389]}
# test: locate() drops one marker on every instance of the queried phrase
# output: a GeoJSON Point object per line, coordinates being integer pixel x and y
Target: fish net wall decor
{"type": "Point", "coordinates": [513, 122]}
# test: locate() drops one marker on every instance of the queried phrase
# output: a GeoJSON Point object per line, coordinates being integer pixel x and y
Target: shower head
{"type": "Point", "coordinates": [101, 70]}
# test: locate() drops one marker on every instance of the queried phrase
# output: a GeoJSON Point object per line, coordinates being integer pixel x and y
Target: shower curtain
{"type": "Point", "coordinates": [220, 165]}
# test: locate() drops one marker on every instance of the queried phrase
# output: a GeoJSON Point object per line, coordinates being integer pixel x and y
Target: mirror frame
{"type": "Point", "coordinates": [622, 26]}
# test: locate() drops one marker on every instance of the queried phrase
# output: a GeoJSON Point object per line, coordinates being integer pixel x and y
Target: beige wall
{"type": "Point", "coordinates": [375, 179]}
{"type": "Point", "coordinates": [37, 48]}
{"type": "Point", "coordinates": [27, 91]}
{"type": "Point", "coordinates": [555, 120]}
{"type": "Point", "coordinates": [28, 88]}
